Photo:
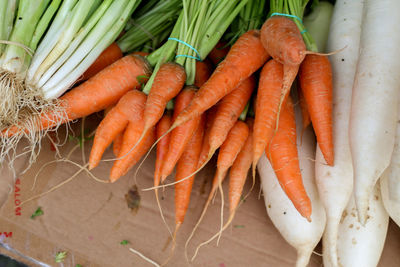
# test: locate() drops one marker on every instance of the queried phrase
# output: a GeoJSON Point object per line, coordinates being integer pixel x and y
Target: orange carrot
{"type": "Point", "coordinates": [181, 135]}
{"type": "Point", "coordinates": [117, 143]}
{"type": "Point", "coordinates": [127, 110]}
{"type": "Point", "coordinates": [107, 57]}
{"type": "Point", "coordinates": [228, 112]}
{"type": "Point", "coordinates": [205, 147]}
{"type": "Point", "coordinates": [118, 139]}
{"type": "Point", "coordinates": [304, 109]}
{"type": "Point", "coordinates": [243, 59]}
{"type": "Point", "coordinates": [283, 155]}
{"type": "Point", "coordinates": [316, 85]}
{"type": "Point", "coordinates": [219, 52]}
{"type": "Point", "coordinates": [238, 175]}
{"type": "Point", "coordinates": [96, 94]}
{"type": "Point", "coordinates": [283, 41]}
{"type": "Point", "coordinates": [267, 106]}
{"type": "Point", "coordinates": [186, 165]}
{"type": "Point", "coordinates": [162, 146]}
{"type": "Point", "coordinates": [239, 170]}
{"type": "Point", "coordinates": [168, 82]}
{"type": "Point", "coordinates": [203, 72]}
{"type": "Point", "coordinates": [229, 150]}
{"type": "Point", "coordinates": [227, 155]}
{"type": "Point", "coordinates": [131, 135]}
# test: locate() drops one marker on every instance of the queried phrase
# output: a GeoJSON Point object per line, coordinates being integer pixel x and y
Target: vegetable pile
{"type": "Point", "coordinates": [307, 93]}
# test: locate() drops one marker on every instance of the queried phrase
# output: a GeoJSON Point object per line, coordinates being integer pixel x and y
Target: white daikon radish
{"type": "Point", "coordinates": [392, 206]}
{"type": "Point", "coordinates": [390, 181]}
{"type": "Point", "coordinates": [361, 246]}
{"type": "Point", "coordinates": [335, 183]}
{"type": "Point", "coordinates": [296, 230]}
{"type": "Point", "coordinates": [375, 96]}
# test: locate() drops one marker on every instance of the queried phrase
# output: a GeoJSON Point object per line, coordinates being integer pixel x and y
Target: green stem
{"type": "Point", "coordinates": [318, 22]}
{"type": "Point", "coordinates": [15, 58]}
{"type": "Point", "coordinates": [44, 23]}
{"type": "Point", "coordinates": [243, 115]}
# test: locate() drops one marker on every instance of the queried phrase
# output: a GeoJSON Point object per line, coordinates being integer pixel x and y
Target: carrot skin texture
{"type": "Point", "coordinates": [316, 85]}
{"type": "Point", "coordinates": [131, 135]}
{"type": "Point", "coordinates": [228, 74]}
{"type": "Point", "coordinates": [229, 151]}
{"type": "Point", "coordinates": [106, 58]}
{"type": "Point", "coordinates": [117, 143]}
{"type": "Point", "coordinates": [203, 72]}
{"type": "Point", "coordinates": [228, 111]}
{"type": "Point", "coordinates": [283, 41]}
{"type": "Point", "coordinates": [162, 146]}
{"type": "Point", "coordinates": [168, 82]}
{"type": "Point", "coordinates": [305, 115]}
{"type": "Point", "coordinates": [115, 122]}
{"type": "Point", "coordinates": [267, 107]}
{"type": "Point", "coordinates": [219, 52]}
{"type": "Point", "coordinates": [283, 155]}
{"type": "Point", "coordinates": [181, 135]}
{"type": "Point", "coordinates": [239, 170]}
{"type": "Point", "coordinates": [205, 148]}
{"type": "Point", "coordinates": [186, 165]}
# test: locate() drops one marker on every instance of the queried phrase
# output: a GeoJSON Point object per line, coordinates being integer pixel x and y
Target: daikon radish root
{"type": "Point", "coordinates": [375, 96]}
{"type": "Point", "coordinates": [335, 183]}
{"type": "Point", "coordinates": [361, 246]}
{"type": "Point", "coordinates": [296, 230]}
{"type": "Point", "coordinates": [392, 205]}
{"type": "Point", "coordinates": [390, 181]}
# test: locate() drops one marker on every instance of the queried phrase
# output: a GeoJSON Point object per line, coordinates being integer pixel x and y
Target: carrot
{"type": "Point", "coordinates": [127, 110]}
{"type": "Point", "coordinates": [118, 139]}
{"type": "Point", "coordinates": [181, 135]}
{"type": "Point", "coordinates": [203, 72]}
{"type": "Point", "coordinates": [283, 41]}
{"type": "Point", "coordinates": [316, 85]}
{"type": "Point", "coordinates": [162, 150]}
{"type": "Point", "coordinates": [228, 112]}
{"type": "Point", "coordinates": [117, 143]}
{"type": "Point", "coordinates": [267, 106]}
{"type": "Point", "coordinates": [219, 52]}
{"type": "Point", "coordinates": [304, 109]}
{"type": "Point", "coordinates": [239, 170]}
{"type": "Point", "coordinates": [237, 179]}
{"type": "Point", "coordinates": [130, 158]}
{"type": "Point", "coordinates": [243, 59]}
{"type": "Point", "coordinates": [97, 93]}
{"type": "Point", "coordinates": [186, 165]}
{"type": "Point", "coordinates": [205, 147]}
{"type": "Point", "coordinates": [168, 82]}
{"type": "Point", "coordinates": [107, 57]}
{"type": "Point", "coordinates": [283, 155]}
{"type": "Point", "coordinates": [162, 146]}
{"type": "Point", "coordinates": [227, 155]}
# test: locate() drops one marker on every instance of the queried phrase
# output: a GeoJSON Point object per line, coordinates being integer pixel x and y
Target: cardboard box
{"type": "Point", "coordinates": [88, 220]}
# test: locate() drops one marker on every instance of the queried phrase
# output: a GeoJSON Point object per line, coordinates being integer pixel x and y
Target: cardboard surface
{"type": "Point", "coordinates": [89, 219]}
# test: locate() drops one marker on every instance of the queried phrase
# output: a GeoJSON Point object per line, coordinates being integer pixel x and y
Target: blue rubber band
{"type": "Point", "coordinates": [287, 15]}
{"type": "Point", "coordinates": [290, 16]}
{"type": "Point", "coordinates": [191, 47]}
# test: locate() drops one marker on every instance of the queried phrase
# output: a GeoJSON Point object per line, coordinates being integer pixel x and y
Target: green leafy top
{"type": "Point", "coordinates": [124, 242]}
{"type": "Point", "coordinates": [60, 256]}
{"type": "Point", "coordinates": [38, 212]}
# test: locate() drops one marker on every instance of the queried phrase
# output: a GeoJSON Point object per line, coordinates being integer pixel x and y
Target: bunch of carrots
{"type": "Point", "coordinates": [234, 100]}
